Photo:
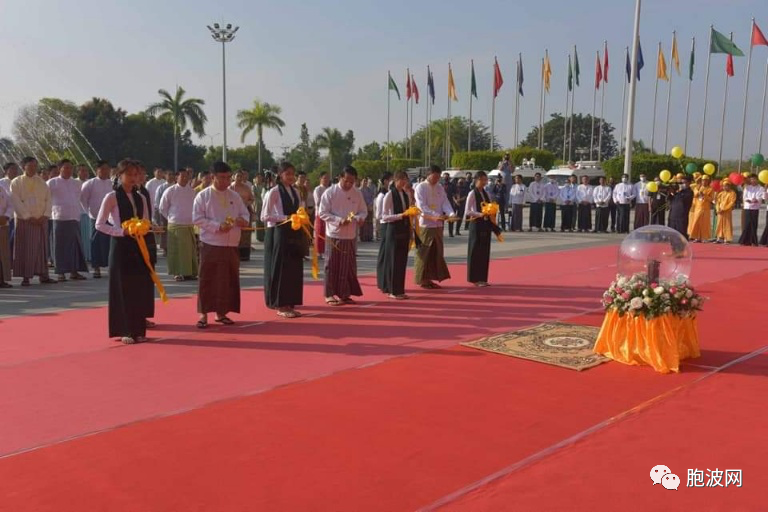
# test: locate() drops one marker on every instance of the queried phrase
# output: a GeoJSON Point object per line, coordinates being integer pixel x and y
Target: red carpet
{"type": "Point", "coordinates": [395, 436]}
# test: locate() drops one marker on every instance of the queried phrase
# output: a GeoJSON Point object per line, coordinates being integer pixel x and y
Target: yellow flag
{"type": "Point", "coordinates": [546, 73]}
{"type": "Point", "coordinates": [675, 56]}
{"type": "Point", "coordinates": [451, 85]}
{"type": "Point", "coordinates": [661, 66]}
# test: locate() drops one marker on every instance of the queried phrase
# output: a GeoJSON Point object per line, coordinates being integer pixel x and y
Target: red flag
{"type": "Point", "coordinates": [498, 81]}
{"type": "Point", "coordinates": [598, 72]}
{"type": "Point", "coordinates": [408, 87]}
{"type": "Point", "coordinates": [758, 38]}
{"type": "Point", "coordinates": [729, 65]}
{"type": "Point", "coordinates": [415, 90]}
{"type": "Point", "coordinates": [605, 64]}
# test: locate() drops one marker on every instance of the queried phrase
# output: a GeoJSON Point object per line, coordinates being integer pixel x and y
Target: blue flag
{"type": "Point", "coordinates": [520, 76]}
{"type": "Point", "coordinates": [640, 62]}
{"type": "Point", "coordinates": [431, 85]}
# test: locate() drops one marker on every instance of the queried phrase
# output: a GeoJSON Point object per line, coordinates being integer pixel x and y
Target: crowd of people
{"type": "Point", "coordinates": [205, 224]}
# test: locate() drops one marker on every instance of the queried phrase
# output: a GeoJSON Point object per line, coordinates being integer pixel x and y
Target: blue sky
{"type": "Point", "coordinates": [326, 62]}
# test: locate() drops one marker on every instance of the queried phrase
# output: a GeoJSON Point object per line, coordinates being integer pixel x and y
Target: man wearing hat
{"type": "Point", "coordinates": [701, 225]}
{"type": "Point", "coordinates": [724, 204]}
{"type": "Point", "coordinates": [680, 200]}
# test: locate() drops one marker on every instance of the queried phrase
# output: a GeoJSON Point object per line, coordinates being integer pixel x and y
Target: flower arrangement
{"type": "Point", "coordinates": [636, 296]}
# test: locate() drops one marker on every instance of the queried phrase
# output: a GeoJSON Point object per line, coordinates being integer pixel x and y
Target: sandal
{"type": "Point", "coordinates": [224, 320]}
{"type": "Point", "coordinates": [333, 302]}
{"type": "Point", "coordinates": [348, 300]}
{"type": "Point", "coordinates": [178, 278]}
{"type": "Point", "coordinates": [127, 340]}
{"type": "Point", "coordinates": [202, 324]}
{"type": "Point", "coordinates": [289, 313]}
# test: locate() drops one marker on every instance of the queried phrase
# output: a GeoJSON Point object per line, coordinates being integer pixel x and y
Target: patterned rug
{"type": "Point", "coordinates": [566, 345]}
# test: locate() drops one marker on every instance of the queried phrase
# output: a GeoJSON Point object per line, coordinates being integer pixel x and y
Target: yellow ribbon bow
{"type": "Point", "coordinates": [491, 210]}
{"type": "Point", "coordinates": [300, 220]}
{"type": "Point", "coordinates": [138, 229]}
{"type": "Point", "coordinates": [411, 214]}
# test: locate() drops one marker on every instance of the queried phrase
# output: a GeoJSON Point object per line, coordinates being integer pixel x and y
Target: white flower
{"type": "Point", "coordinates": [648, 301]}
{"type": "Point", "coordinates": [646, 292]}
{"type": "Point", "coordinates": [636, 303]}
{"type": "Point", "coordinates": [694, 303]}
{"type": "Point", "coordinates": [665, 296]}
{"type": "Point", "coordinates": [667, 309]}
{"type": "Point", "coordinates": [622, 281]}
{"type": "Point", "coordinates": [658, 290]}
{"type": "Point", "coordinates": [689, 293]}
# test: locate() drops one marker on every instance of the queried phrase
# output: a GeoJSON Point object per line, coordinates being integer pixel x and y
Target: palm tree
{"type": "Point", "coordinates": [179, 111]}
{"type": "Point", "coordinates": [332, 140]}
{"type": "Point", "coordinates": [261, 115]}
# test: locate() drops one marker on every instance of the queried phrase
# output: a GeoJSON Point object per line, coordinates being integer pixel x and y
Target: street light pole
{"type": "Point", "coordinates": [223, 35]}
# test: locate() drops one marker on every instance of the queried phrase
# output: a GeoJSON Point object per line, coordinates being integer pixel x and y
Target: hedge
{"type": "Point", "coordinates": [488, 160]}
{"type": "Point", "coordinates": [651, 165]}
{"type": "Point", "coordinates": [375, 168]}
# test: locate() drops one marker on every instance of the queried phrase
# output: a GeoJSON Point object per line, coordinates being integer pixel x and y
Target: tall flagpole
{"type": "Point", "coordinates": [602, 107]}
{"type": "Point", "coordinates": [565, 116]}
{"type": "Point", "coordinates": [541, 104]}
{"type": "Point", "coordinates": [469, 130]}
{"type": "Point", "coordinates": [389, 93]}
{"type": "Point", "coordinates": [407, 101]}
{"type": "Point", "coordinates": [706, 90]}
{"type": "Point", "coordinates": [746, 95]}
{"type": "Point", "coordinates": [669, 88]}
{"type": "Point", "coordinates": [624, 105]}
{"type": "Point", "coordinates": [544, 107]}
{"type": "Point", "coordinates": [688, 98]}
{"type": "Point", "coordinates": [632, 91]}
{"type": "Point", "coordinates": [426, 123]}
{"type": "Point", "coordinates": [762, 110]}
{"type": "Point", "coordinates": [655, 95]}
{"type": "Point", "coordinates": [410, 140]}
{"type": "Point", "coordinates": [448, 134]}
{"type": "Point", "coordinates": [573, 102]}
{"type": "Point", "coordinates": [722, 123]}
{"type": "Point", "coordinates": [594, 107]}
{"type": "Point", "coordinates": [517, 100]}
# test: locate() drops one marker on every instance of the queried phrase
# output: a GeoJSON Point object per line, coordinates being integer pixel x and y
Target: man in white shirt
{"type": "Point", "coordinates": [91, 196]}
{"type": "Point", "coordinates": [584, 201]}
{"type": "Point", "coordinates": [550, 194]}
{"type": "Point", "coordinates": [642, 203]}
{"type": "Point", "coordinates": [536, 200]}
{"type": "Point", "coordinates": [153, 184]}
{"type": "Point", "coordinates": [568, 205]}
{"type": "Point", "coordinates": [176, 206]}
{"type": "Point", "coordinates": [68, 254]}
{"type": "Point", "coordinates": [6, 213]}
{"type": "Point", "coordinates": [83, 174]}
{"type": "Point", "coordinates": [11, 170]}
{"type": "Point", "coordinates": [343, 209]}
{"type": "Point", "coordinates": [516, 202]}
{"type": "Point", "coordinates": [623, 194]}
{"type": "Point", "coordinates": [219, 212]}
{"type": "Point", "coordinates": [319, 224]}
{"type": "Point", "coordinates": [435, 208]}
{"type": "Point", "coordinates": [32, 209]}
{"type": "Point", "coordinates": [160, 220]}
{"type": "Point", "coordinates": [753, 196]}
{"type": "Point", "coordinates": [601, 195]}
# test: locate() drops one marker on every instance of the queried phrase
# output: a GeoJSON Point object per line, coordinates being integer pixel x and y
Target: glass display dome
{"type": "Point", "coordinates": [657, 251]}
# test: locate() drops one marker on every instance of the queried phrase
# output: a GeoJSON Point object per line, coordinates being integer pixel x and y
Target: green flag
{"type": "Point", "coordinates": [393, 86]}
{"type": "Point", "coordinates": [474, 82]}
{"type": "Point", "coordinates": [576, 65]}
{"type": "Point", "coordinates": [691, 61]}
{"type": "Point", "coordinates": [570, 74]}
{"type": "Point", "coordinates": [722, 44]}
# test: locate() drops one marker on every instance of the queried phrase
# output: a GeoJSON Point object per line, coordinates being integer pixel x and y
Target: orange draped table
{"type": "Point", "coordinates": [661, 342]}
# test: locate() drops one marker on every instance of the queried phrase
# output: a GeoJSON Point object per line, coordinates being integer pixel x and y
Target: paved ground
{"type": "Point", "coordinates": [93, 292]}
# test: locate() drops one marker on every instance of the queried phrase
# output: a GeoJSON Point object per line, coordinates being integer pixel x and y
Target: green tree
{"type": "Point", "coordinates": [179, 111]}
{"type": "Point", "coordinates": [639, 147]}
{"type": "Point", "coordinates": [339, 146]}
{"type": "Point", "coordinates": [104, 126]}
{"type": "Point", "coordinates": [261, 115]}
{"type": "Point", "coordinates": [246, 157]}
{"type": "Point", "coordinates": [582, 133]}
{"type": "Point", "coordinates": [481, 138]}
{"type": "Point", "coordinates": [371, 151]}
{"type": "Point", "coordinates": [304, 155]}
{"type": "Point", "coordinates": [148, 139]}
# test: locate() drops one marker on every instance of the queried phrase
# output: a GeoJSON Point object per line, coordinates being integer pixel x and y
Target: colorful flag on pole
{"type": "Point", "coordinates": [547, 73]}
{"type": "Point", "coordinates": [415, 89]}
{"type": "Point", "coordinates": [729, 65]}
{"type": "Point", "coordinates": [640, 60]}
{"type": "Point", "coordinates": [430, 85]}
{"type": "Point", "coordinates": [675, 54]}
{"type": "Point", "coordinates": [628, 66]}
{"type": "Point", "coordinates": [407, 85]}
{"type": "Point", "coordinates": [598, 72]}
{"type": "Point", "coordinates": [520, 78]}
{"type": "Point", "coordinates": [473, 90]}
{"type": "Point", "coordinates": [721, 44]}
{"type": "Point", "coordinates": [451, 85]}
{"type": "Point", "coordinates": [692, 60]}
{"type": "Point", "coordinates": [570, 74]}
{"type": "Point", "coordinates": [605, 64]}
{"type": "Point", "coordinates": [576, 68]}
{"type": "Point", "coordinates": [498, 80]}
{"type": "Point", "coordinates": [758, 39]}
{"type": "Point", "coordinates": [661, 66]}
{"type": "Point", "coordinates": [393, 85]}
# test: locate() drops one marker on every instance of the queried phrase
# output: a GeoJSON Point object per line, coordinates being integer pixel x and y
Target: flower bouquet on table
{"type": "Point", "coordinates": [650, 322]}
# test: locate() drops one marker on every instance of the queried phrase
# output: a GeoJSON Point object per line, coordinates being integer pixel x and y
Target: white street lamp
{"type": "Point", "coordinates": [223, 34]}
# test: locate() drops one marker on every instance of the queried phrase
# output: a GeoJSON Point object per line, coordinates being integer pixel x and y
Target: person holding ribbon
{"type": "Point", "coordinates": [131, 293]}
{"type": "Point", "coordinates": [396, 232]}
{"type": "Point", "coordinates": [220, 214]}
{"type": "Point", "coordinates": [435, 208]}
{"type": "Point", "coordinates": [480, 212]}
{"type": "Point", "coordinates": [285, 244]}
{"type": "Point", "coordinates": [343, 209]}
